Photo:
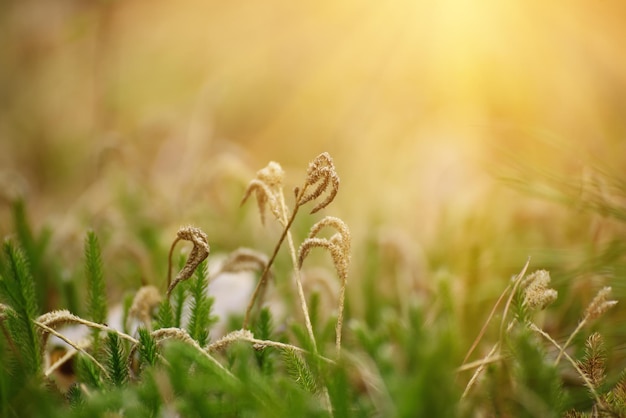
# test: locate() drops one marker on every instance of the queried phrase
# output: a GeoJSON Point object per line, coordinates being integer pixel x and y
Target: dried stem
{"type": "Point", "coordinates": [339, 247]}
{"type": "Point", "coordinates": [68, 318]}
{"type": "Point", "coordinates": [478, 363]}
{"type": "Point", "coordinates": [598, 306]}
{"type": "Point", "coordinates": [303, 304]}
{"type": "Point", "coordinates": [181, 335]}
{"type": "Point", "coordinates": [484, 328]}
{"type": "Point", "coordinates": [71, 343]}
{"type": "Point", "coordinates": [571, 360]}
{"type": "Point", "coordinates": [265, 274]}
{"type": "Point", "coordinates": [516, 283]}
{"type": "Point", "coordinates": [245, 335]}
{"type": "Point", "coordinates": [70, 353]}
{"type": "Point", "coordinates": [480, 369]}
{"type": "Point", "coordinates": [169, 262]}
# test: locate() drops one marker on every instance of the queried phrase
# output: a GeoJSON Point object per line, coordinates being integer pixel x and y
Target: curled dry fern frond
{"type": "Point", "coordinates": [198, 254]}
{"type": "Point", "coordinates": [267, 185]}
{"type": "Point", "coordinates": [321, 174]}
{"type": "Point", "coordinates": [598, 306]}
{"type": "Point", "coordinates": [339, 247]}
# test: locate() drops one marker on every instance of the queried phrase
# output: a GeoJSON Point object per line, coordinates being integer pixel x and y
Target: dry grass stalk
{"type": "Point", "coordinates": [480, 335]}
{"type": "Point", "coordinates": [178, 334]}
{"type": "Point", "coordinates": [479, 363]}
{"type": "Point", "coordinates": [517, 281]}
{"type": "Point", "coordinates": [573, 362]}
{"type": "Point", "coordinates": [339, 247]}
{"type": "Point", "coordinates": [146, 300]}
{"type": "Point", "coordinates": [228, 339]}
{"type": "Point", "coordinates": [247, 336]}
{"type": "Point", "coordinates": [598, 306]}
{"type": "Point", "coordinates": [198, 254]}
{"type": "Point", "coordinates": [62, 317]}
{"type": "Point", "coordinates": [486, 360]}
{"type": "Point", "coordinates": [75, 346]}
{"type": "Point", "coordinates": [537, 295]}
{"type": "Point", "coordinates": [173, 334]}
{"type": "Point", "coordinates": [53, 320]}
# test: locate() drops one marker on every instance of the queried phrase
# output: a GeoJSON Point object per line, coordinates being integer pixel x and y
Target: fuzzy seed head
{"type": "Point", "coordinates": [537, 293]}
{"type": "Point", "coordinates": [272, 175]}
{"type": "Point", "coordinates": [322, 175]}
{"type": "Point", "coordinates": [600, 304]}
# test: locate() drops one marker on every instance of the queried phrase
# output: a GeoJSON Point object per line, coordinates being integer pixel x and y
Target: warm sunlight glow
{"type": "Point", "coordinates": [408, 95]}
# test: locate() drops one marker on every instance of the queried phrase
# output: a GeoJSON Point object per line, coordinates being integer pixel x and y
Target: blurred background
{"type": "Point", "coordinates": [136, 117]}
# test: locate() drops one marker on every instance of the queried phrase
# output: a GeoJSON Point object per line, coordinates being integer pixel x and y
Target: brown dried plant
{"type": "Point", "coordinates": [598, 306]}
{"type": "Point", "coordinates": [321, 177]}
{"type": "Point", "coordinates": [536, 295]}
{"type": "Point", "coordinates": [247, 336]}
{"type": "Point", "coordinates": [266, 186]}
{"type": "Point", "coordinates": [48, 322]}
{"type": "Point", "coordinates": [177, 334]}
{"type": "Point", "coordinates": [198, 254]}
{"type": "Point", "coordinates": [321, 173]}
{"type": "Point", "coordinates": [514, 283]}
{"type": "Point", "coordinates": [574, 363]}
{"type": "Point", "coordinates": [339, 247]}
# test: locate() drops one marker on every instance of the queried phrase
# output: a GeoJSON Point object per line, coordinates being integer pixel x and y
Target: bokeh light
{"type": "Point", "coordinates": [415, 100]}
